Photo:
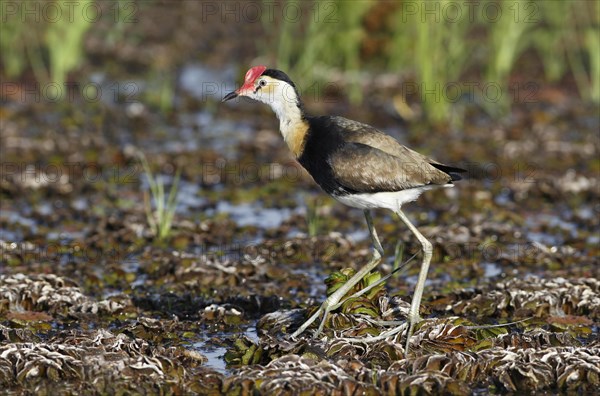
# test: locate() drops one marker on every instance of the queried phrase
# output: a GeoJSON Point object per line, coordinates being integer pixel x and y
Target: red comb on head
{"type": "Point", "coordinates": [254, 73]}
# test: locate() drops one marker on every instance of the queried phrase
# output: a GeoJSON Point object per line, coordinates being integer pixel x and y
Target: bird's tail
{"type": "Point", "coordinates": [455, 173]}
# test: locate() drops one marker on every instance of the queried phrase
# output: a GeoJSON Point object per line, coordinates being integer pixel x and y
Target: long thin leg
{"type": "Point", "coordinates": [413, 316]}
{"type": "Point", "coordinates": [375, 284]}
{"type": "Point", "coordinates": [332, 301]}
{"type": "Point", "coordinates": [373, 232]}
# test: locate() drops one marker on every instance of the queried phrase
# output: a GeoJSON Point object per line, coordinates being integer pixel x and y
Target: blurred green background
{"type": "Point", "coordinates": [436, 50]}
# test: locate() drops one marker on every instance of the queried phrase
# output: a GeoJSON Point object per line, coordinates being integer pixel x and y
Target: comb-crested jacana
{"type": "Point", "coordinates": [356, 164]}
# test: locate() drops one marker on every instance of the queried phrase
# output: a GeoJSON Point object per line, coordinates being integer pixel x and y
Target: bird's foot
{"type": "Point", "coordinates": [325, 308]}
{"type": "Point", "coordinates": [333, 301]}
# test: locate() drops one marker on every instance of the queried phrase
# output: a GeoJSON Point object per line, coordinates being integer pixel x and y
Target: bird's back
{"type": "Point", "coordinates": [349, 157]}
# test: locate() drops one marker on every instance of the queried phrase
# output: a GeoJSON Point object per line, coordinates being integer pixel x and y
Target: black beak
{"type": "Point", "coordinates": [230, 96]}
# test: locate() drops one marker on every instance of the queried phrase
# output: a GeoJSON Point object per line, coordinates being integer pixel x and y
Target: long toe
{"type": "Point", "coordinates": [309, 322]}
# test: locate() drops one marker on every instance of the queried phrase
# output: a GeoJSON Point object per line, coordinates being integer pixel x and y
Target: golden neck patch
{"type": "Point", "coordinates": [294, 136]}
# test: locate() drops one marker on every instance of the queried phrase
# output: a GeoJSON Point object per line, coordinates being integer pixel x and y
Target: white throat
{"type": "Point", "coordinates": [283, 100]}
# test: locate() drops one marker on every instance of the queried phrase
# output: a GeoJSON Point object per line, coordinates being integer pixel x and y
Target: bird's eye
{"type": "Point", "coordinates": [262, 83]}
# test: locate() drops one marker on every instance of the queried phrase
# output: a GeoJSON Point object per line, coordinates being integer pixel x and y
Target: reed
{"type": "Point", "coordinates": [436, 51]}
{"type": "Point", "coordinates": [581, 42]}
{"type": "Point", "coordinates": [505, 44]}
{"type": "Point", "coordinates": [64, 43]}
{"type": "Point", "coordinates": [51, 49]}
{"type": "Point", "coordinates": [325, 40]}
{"type": "Point", "coordinates": [440, 52]}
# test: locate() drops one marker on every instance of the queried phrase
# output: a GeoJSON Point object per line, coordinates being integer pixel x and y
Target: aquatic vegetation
{"type": "Point", "coordinates": [95, 361]}
{"type": "Point", "coordinates": [160, 210]}
{"type": "Point", "coordinates": [534, 297]}
{"type": "Point", "coordinates": [398, 256]}
{"type": "Point", "coordinates": [312, 217]}
{"type": "Point", "coordinates": [243, 352]}
{"type": "Point", "coordinates": [91, 302]}
{"type": "Point", "coordinates": [50, 294]}
{"type": "Point", "coordinates": [505, 370]}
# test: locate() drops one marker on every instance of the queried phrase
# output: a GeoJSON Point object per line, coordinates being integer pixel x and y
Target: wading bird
{"type": "Point", "coordinates": [357, 165]}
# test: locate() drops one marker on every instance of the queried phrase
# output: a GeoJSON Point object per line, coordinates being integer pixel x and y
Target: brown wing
{"type": "Point", "coordinates": [371, 160]}
{"type": "Point", "coordinates": [358, 132]}
{"type": "Point", "coordinates": [363, 168]}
